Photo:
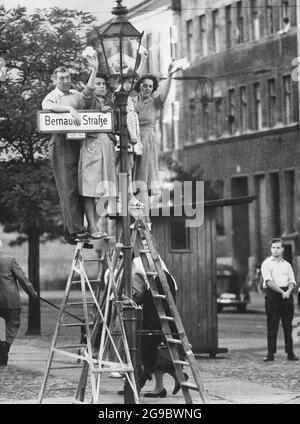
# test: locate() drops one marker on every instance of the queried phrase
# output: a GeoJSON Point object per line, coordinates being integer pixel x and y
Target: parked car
{"type": "Point", "coordinates": [230, 292]}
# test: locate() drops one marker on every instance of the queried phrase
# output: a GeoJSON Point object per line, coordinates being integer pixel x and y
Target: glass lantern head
{"type": "Point", "coordinates": [120, 43]}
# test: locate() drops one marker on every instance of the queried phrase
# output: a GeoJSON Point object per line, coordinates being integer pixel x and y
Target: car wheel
{"type": "Point", "coordinates": [241, 308]}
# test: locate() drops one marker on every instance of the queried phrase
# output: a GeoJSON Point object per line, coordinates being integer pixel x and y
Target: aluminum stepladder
{"type": "Point", "coordinates": [179, 346]}
{"type": "Point", "coordinates": [85, 359]}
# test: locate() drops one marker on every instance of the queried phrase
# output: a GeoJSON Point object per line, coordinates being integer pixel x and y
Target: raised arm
{"type": "Point", "coordinates": [93, 62]}
{"type": "Point", "coordinates": [89, 90]}
{"type": "Point", "coordinates": [167, 85]}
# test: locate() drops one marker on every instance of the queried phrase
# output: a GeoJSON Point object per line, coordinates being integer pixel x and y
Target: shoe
{"type": "Point", "coordinates": [115, 374]}
{"type": "Point", "coordinates": [4, 348]}
{"type": "Point", "coordinates": [269, 358]}
{"type": "Point", "coordinates": [99, 235]}
{"type": "Point", "coordinates": [73, 242]}
{"type": "Point", "coordinates": [161, 394]}
{"type": "Point", "coordinates": [178, 385]}
{"type": "Point", "coordinates": [87, 245]}
{"type": "Point", "coordinates": [292, 357]}
{"type": "Point", "coordinates": [74, 238]}
{"type": "Point", "coordinates": [85, 235]}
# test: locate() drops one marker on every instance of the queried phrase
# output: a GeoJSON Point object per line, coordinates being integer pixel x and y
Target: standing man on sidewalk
{"type": "Point", "coordinates": [279, 282]}
{"type": "Point", "coordinates": [10, 303]}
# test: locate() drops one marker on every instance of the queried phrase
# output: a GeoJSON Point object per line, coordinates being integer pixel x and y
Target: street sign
{"type": "Point", "coordinates": [91, 121]}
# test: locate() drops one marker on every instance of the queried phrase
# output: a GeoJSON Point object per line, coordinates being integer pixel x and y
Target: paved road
{"type": "Point", "coordinates": [240, 376]}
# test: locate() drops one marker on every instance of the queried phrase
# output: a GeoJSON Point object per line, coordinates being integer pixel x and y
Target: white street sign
{"type": "Point", "coordinates": [91, 121]}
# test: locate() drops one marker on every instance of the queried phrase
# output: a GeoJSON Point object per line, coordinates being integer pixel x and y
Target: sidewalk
{"type": "Point", "coordinates": [238, 377]}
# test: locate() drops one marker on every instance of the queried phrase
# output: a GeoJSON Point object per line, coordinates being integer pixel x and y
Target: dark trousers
{"type": "Point", "coordinates": [64, 156]}
{"type": "Point", "coordinates": [12, 323]}
{"type": "Point", "coordinates": [278, 309]}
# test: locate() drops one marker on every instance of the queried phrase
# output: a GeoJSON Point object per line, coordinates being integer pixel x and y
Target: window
{"type": "Point", "coordinates": [275, 204]}
{"type": "Point", "coordinates": [193, 120]}
{"type": "Point", "coordinates": [271, 103]}
{"type": "Point", "coordinates": [243, 109]}
{"type": "Point", "coordinates": [158, 53]}
{"type": "Point", "coordinates": [179, 235]}
{"type": "Point", "coordinates": [202, 35]}
{"type": "Point", "coordinates": [257, 106]}
{"type": "Point", "coordinates": [173, 40]}
{"type": "Point", "coordinates": [205, 120]}
{"type": "Point", "coordinates": [231, 111]}
{"type": "Point", "coordinates": [262, 213]}
{"type": "Point", "coordinates": [269, 17]}
{"type": "Point", "coordinates": [285, 14]}
{"type": "Point", "coordinates": [254, 20]}
{"type": "Point", "coordinates": [216, 31]}
{"type": "Point", "coordinates": [287, 101]}
{"type": "Point", "coordinates": [189, 38]}
{"type": "Point", "coordinates": [150, 53]}
{"type": "Point", "coordinates": [240, 23]}
{"type": "Point", "coordinates": [219, 190]}
{"type": "Point", "coordinates": [289, 201]}
{"type": "Point", "coordinates": [219, 116]}
{"type": "Point", "coordinates": [228, 24]}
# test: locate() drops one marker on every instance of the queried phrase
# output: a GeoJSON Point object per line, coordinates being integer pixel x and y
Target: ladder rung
{"type": "Point", "coordinates": [189, 386]}
{"type": "Point", "coordinates": [66, 368]}
{"type": "Point", "coordinates": [164, 317]}
{"type": "Point", "coordinates": [94, 260]}
{"type": "Point", "coordinates": [179, 362]}
{"type": "Point", "coordinates": [79, 303]}
{"type": "Point", "coordinates": [61, 388]}
{"type": "Point", "coordinates": [144, 251]}
{"type": "Point", "coordinates": [70, 346]}
{"type": "Point", "coordinates": [116, 369]}
{"type": "Point", "coordinates": [175, 341]}
{"type": "Point", "coordinates": [79, 324]}
{"type": "Point", "coordinates": [159, 296]}
{"type": "Point", "coordinates": [90, 281]}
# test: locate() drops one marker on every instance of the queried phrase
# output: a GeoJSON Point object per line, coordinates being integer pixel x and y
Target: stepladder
{"type": "Point", "coordinates": [174, 338]}
{"type": "Point", "coordinates": [74, 370]}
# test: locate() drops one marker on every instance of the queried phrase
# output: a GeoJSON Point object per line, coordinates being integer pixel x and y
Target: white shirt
{"type": "Point", "coordinates": [280, 272]}
{"type": "Point", "coordinates": [74, 98]}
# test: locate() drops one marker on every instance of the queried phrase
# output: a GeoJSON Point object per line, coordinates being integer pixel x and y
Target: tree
{"type": "Point", "coordinates": [33, 45]}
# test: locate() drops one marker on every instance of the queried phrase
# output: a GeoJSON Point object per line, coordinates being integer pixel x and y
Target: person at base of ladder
{"type": "Point", "coordinates": [10, 303]}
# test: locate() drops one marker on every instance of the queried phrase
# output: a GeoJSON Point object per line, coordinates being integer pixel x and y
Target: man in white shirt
{"type": "Point", "coordinates": [279, 282]}
{"type": "Point", "coordinates": [65, 153]}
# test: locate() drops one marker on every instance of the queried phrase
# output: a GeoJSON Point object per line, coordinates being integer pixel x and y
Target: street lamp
{"type": "Point", "coordinates": [120, 43]}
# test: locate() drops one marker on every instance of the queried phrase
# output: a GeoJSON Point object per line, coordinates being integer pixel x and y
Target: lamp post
{"type": "Point", "coordinates": [120, 43]}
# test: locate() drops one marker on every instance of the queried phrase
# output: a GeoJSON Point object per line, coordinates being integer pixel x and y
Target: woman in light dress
{"type": "Point", "coordinates": [97, 165]}
{"type": "Point", "coordinates": [148, 106]}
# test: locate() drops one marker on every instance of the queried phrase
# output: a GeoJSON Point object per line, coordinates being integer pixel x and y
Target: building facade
{"type": "Point", "coordinates": [243, 135]}
{"type": "Point", "coordinates": [246, 137]}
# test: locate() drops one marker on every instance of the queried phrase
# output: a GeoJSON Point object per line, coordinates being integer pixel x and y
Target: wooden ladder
{"type": "Point", "coordinates": [179, 346]}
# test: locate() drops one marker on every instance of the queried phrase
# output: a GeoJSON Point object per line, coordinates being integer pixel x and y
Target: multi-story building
{"type": "Point", "coordinates": [244, 135]}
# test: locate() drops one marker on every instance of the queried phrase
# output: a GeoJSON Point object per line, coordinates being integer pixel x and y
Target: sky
{"type": "Point", "coordinates": [101, 9]}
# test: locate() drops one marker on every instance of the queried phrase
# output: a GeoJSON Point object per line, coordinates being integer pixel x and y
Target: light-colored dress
{"type": "Point", "coordinates": [97, 164]}
{"type": "Point", "coordinates": [147, 164]}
